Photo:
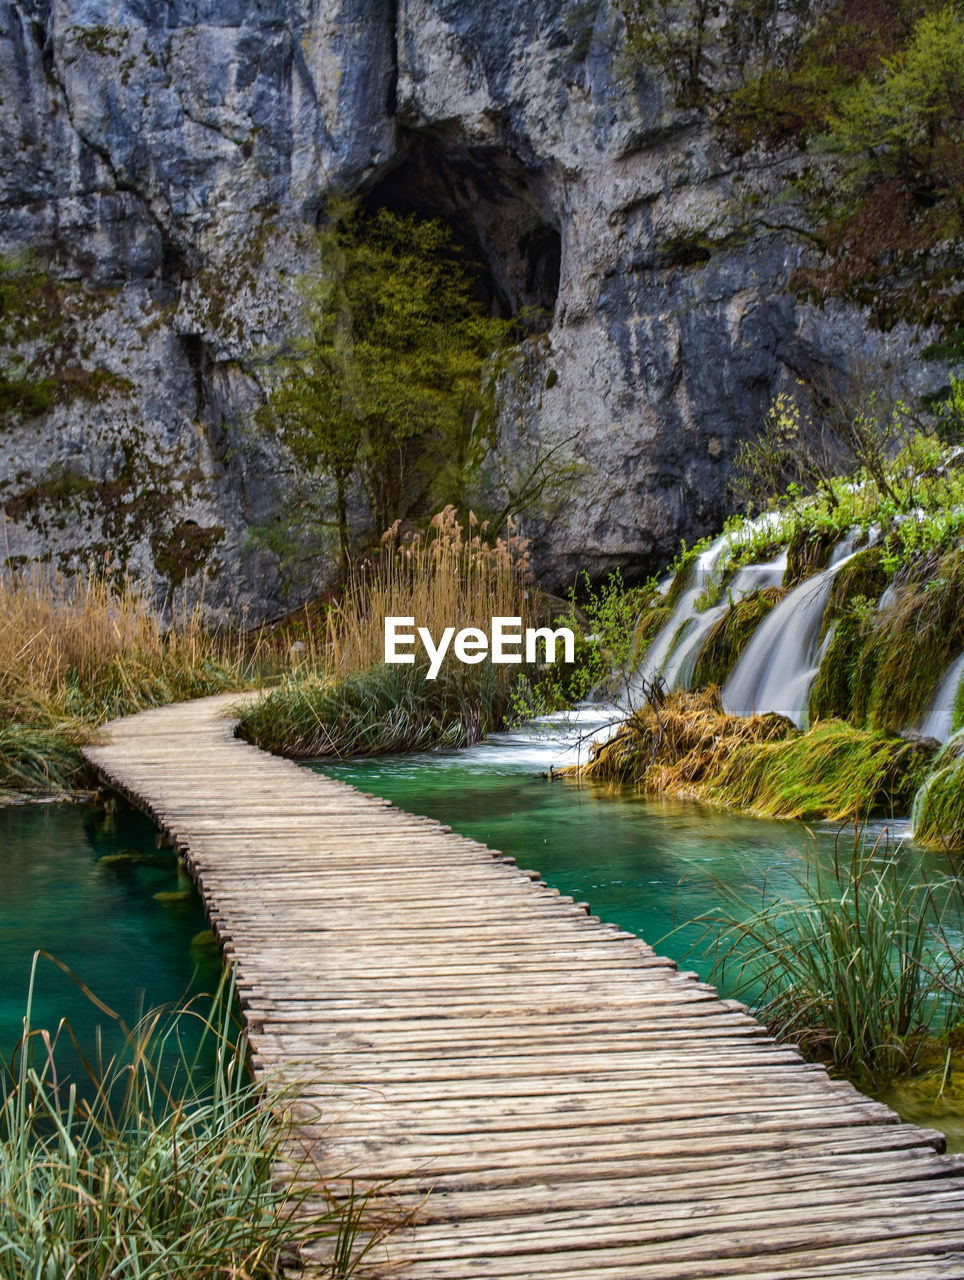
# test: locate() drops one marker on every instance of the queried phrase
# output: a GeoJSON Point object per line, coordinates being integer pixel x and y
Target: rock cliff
{"type": "Point", "coordinates": [162, 161]}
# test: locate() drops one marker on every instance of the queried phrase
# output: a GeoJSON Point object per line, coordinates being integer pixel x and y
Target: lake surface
{"type": "Point", "coordinates": [93, 890]}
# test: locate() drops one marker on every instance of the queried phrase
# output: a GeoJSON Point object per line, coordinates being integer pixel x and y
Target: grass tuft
{"type": "Point", "coordinates": [728, 638]}
{"type": "Point", "coordinates": [833, 772]}
{"type": "Point", "coordinates": [163, 1169]}
{"type": "Point", "coordinates": [860, 972]}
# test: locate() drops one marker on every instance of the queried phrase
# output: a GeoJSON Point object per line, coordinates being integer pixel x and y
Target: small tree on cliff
{"type": "Point", "coordinates": [392, 378]}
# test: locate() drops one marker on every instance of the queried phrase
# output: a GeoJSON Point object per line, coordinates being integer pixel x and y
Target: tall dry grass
{"type": "Point", "coordinates": [76, 651]}
{"type": "Point", "coordinates": [446, 576]}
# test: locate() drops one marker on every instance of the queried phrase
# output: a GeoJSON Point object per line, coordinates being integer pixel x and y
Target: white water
{"type": "Point", "coordinates": [549, 742]}
{"type": "Point", "coordinates": [676, 648]}
{"type": "Point", "coordinates": [937, 722]}
{"type": "Point", "coordinates": [682, 616]}
{"type": "Point", "coordinates": [782, 659]}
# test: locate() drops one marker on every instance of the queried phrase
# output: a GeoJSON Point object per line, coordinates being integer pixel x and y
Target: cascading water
{"type": "Point", "coordinates": [938, 721]}
{"type": "Point", "coordinates": [685, 610]}
{"type": "Point", "coordinates": [782, 659]}
{"type": "Point", "coordinates": [676, 648]}
{"type": "Point", "coordinates": [678, 667]}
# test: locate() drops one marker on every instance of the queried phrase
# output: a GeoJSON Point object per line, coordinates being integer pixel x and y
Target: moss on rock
{"type": "Point", "coordinates": [688, 746]}
{"type": "Point", "coordinates": [939, 806]}
{"type": "Point", "coordinates": [729, 637]}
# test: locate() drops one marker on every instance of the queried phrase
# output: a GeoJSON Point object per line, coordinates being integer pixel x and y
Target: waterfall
{"type": "Point", "coordinates": [937, 722]}
{"type": "Point", "coordinates": [676, 648]}
{"type": "Point", "coordinates": [680, 663]}
{"type": "Point", "coordinates": [663, 642]}
{"type": "Point", "coordinates": [782, 659]}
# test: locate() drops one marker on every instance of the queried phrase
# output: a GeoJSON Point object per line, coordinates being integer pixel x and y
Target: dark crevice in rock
{"type": "Point", "coordinates": [391, 103]}
{"type": "Point", "coordinates": [45, 45]}
{"type": "Point", "coordinates": [193, 345]}
{"type": "Point", "coordinates": [497, 210]}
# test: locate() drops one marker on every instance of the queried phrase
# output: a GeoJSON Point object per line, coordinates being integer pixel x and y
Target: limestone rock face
{"type": "Point", "coordinates": [164, 160]}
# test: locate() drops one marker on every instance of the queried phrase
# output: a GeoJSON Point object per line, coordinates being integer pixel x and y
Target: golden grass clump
{"type": "Point", "coordinates": [676, 746]}
{"type": "Point", "coordinates": [76, 651]}
{"type": "Point", "coordinates": [833, 771]}
{"type": "Point", "coordinates": [688, 746]}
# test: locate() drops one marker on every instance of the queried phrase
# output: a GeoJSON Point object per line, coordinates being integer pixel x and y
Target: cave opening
{"type": "Point", "coordinates": [498, 215]}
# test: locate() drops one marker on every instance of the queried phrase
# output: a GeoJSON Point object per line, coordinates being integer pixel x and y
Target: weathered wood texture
{"type": "Point", "coordinates": [557, 1099]}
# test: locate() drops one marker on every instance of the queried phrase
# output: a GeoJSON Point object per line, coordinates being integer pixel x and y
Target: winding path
{"type": "Point", "coordinates": [550, 1096]}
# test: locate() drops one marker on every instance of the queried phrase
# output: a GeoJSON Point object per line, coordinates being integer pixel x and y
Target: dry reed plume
{"type": "Point", "coordinates": [447, 576]}
{"type": "Point", "coordinates": [78, 650]}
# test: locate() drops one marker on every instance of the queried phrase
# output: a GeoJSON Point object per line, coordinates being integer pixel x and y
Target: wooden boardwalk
{"type": "Point", "coordinates": [559, 1100]}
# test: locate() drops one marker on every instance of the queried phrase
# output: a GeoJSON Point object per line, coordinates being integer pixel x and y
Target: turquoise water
{"type": "Point", "coordinates": [83, 885]}
{"type": "Point", "coordinates": [654, 866]}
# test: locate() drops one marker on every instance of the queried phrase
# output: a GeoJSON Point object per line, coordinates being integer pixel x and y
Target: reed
{"type": "Point", "coordinates": [446, 576]}
{"type": "Point", "coordinates": [861, 971]}
{"type": "Point", "coordinates": [162, 1169]}
{"type": "Point", "coordinates": [78, 650]}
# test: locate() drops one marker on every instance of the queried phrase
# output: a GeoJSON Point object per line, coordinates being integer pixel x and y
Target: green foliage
{"type": "Point", "coordinates": [163, 1171]}
{"type": "Point", "coordinates": [392, 377]}
{"type": "Point", "coordinates": [859, 971]}
{"type": "Point", "coordinates": [835, 691]}
{"type": "Point", "coordinates": [906, 122]}
{"type": "Point", "coordinates": [384, 709]}
{"type": "Point", "coordinates": [613, 625]}
{"type": "Point", "coordinates": [938, 815]}
{"type": "Point", "coordinates": [915, 501]}
{"type": "Point", "coordinates": [907, 645]}
{"type": "Point", "coordinates": [698, 44]}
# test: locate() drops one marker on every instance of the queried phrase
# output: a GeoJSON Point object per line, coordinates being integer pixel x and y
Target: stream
{"type": "Point", "coordinates": [91, 888]}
